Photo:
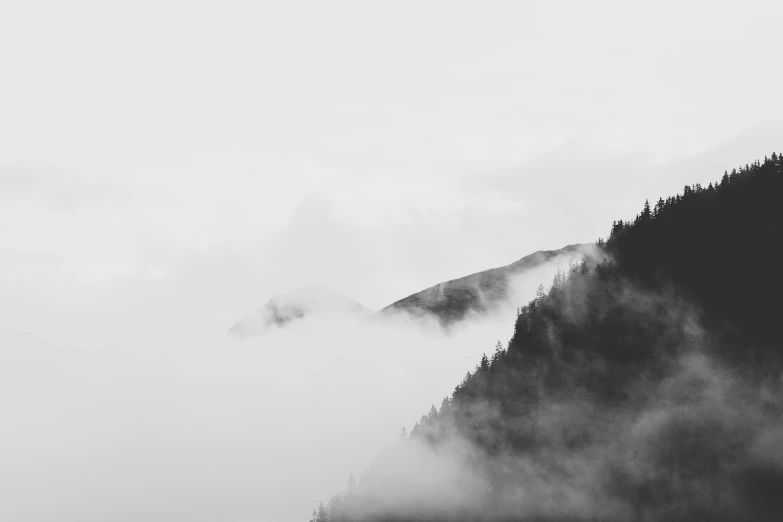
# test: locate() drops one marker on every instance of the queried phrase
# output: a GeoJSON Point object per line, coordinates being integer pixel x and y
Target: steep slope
{"type": "Point", "coordinates": [647, 388]}
{"type": "Point", "coordinates": [452, 301]}
{"type": "Point", "coordinates": [285, 308]}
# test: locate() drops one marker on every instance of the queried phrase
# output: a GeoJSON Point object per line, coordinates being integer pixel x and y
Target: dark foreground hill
{"type": "Point", "coordinates": [453, 300]}
{"type": "Point", "coordinates": [648, 388]}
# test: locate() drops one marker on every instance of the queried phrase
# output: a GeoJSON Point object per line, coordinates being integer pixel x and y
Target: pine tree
{"type": "Point", "coordinates": [658, 207]}
{"type": "Point", "coordinates": [497, 355]}
{"type": "Point", "coordinates": [322, 515]}
{"type": "Point", "coordinates": [646, 213]}
{"type": "Point", "coordinates": [540, 294]}
{"type": "Point", "coordinates": [484, 365]}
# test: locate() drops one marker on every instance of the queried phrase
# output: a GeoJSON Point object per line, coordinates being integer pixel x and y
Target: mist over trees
{"type": "Point", "coordinates": [645, 387]}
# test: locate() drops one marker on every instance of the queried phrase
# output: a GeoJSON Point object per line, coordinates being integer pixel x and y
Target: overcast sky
{"type": "Point", "coordinates": [168, 166]}
{"type": "Point", "coordinates": [376, 148]}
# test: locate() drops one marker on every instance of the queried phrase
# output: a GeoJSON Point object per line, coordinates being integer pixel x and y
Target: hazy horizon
{"type": "Point", "coordinates": [167, 167]}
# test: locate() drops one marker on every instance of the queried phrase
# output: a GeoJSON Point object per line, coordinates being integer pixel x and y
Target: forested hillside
{"type": "Point", "coordinates": [719, 244]}
{"type": "Point", "coordinates": [646, 388]}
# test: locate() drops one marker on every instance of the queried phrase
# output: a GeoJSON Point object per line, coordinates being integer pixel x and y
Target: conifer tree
{"type": "Point", "coordinates": [498, 354]}
{"type": "Point", "coordinates": [322, 515]}
{"type": "Point", "coordinates": [484, 365]}
{"type": "Point", "coordinates": [540, 294]}
{"type": "Point", "coordinates": [646, 213]}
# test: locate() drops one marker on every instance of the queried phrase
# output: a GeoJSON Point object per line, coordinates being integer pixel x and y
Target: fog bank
{"type": "Point", "coordinates": [198, 426]}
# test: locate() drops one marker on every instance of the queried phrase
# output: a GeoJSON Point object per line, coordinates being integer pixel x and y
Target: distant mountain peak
{"type": "Point", "coordinates": [310, 299]}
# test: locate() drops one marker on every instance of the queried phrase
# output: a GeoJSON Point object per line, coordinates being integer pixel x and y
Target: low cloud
{"type": "Point", "coordinates": [195, 425]}
{"type": "Point", "coordinates": [699, 443]}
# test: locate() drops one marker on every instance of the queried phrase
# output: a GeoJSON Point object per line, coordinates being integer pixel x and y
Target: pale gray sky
{"type": "Point", "coordinates": [166, 167]}
{"type": "Point", "coordinates": [376, 147]}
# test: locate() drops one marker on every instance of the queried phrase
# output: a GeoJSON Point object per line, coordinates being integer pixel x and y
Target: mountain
{"type": "Point", "coordinates": [452, 301]}
{"type": "Point", "coordinates": [648, 387]}
{"type": "Point", "coordinates": [449, 302]}
{"type": "Point", "coordinates": [285, 308]}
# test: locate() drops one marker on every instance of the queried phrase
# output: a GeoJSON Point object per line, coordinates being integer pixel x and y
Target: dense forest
{"type": "Point", "coordinates": [644, 387]}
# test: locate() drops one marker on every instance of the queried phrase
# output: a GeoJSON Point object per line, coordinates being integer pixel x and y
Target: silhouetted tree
{"type": "Point", "coordinates": [484, 365]}
{"type": "Point", "coordinates": [646, 214]}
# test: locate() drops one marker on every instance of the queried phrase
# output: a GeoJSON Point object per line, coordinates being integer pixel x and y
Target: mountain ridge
{"type": "Point", "coordinates": [451, 301]}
